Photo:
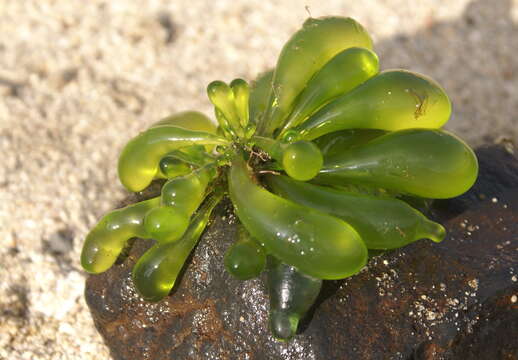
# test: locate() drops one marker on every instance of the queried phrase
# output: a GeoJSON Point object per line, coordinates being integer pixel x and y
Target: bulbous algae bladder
{"type": "Point", "coordinates": [317, 244]}
{"type": "Point", "coordinates": [304, 54]}
{"type": "Point", "coordinates": [427, 163]}
{"type": "Point", "coordinates": [382, 221]}
{"type": "Point", "coordinates": [392, 100]}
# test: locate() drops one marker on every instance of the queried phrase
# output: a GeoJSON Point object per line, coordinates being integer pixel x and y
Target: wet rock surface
{"type": "Point", "coordinates": [453, 300]}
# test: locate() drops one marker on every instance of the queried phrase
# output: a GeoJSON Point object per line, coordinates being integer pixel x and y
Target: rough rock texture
{"type": "Point", "coordinates": [454, 300]}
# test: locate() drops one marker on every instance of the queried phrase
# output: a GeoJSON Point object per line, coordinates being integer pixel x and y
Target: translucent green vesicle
{"type": "Point", "coordinates": [155, 273]}
{"type": "Point", "coordinates": [245, 259]}
{"type": "Point", "coordinates": [317, 244]}
{"type": "Point", "coordinates": [241, 96]}
{"type": "Point", "coordinates": [344, 72]}
{"type": "Point", "coordinates": [106, 240]}
{"type": "Point", "coordinates": [224, 128]}
{"type": "Point", "coordinates": [392, 100]}
{"type": "Point", "coordinates": [341, 141]}
{"type": "Point", "coordinates": [180, 197]}
{"type": "Point", "coordinates": [304, 54]}
{"type": "Point", "coordinates": [170, 166]}
{"type": "Point", "coordinates": [195, 156]}
{"type": "Point", "coordinates": [426, 163]}
{"type": "Point", "coordinates": [260, 90]}
{"type": "Point", "coordinates": [166, 223]}
{"type": "Point", "coordinates": [187, 192]}
{"type": "Point", "coordinates": [190, 120]}
{"type": "Point", "coordinates": [139, 160]}
{"type": "Point", "coordinates": [382, 222]}
{"type": "Point", "coordinates": [302, 160]}
{"type": "Point", "coordinates": [292, 294]}
{"type": "Point", "coordinates": [223, 98]}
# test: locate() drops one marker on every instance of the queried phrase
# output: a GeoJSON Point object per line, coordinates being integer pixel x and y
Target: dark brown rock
{"type": "Point", "coordinates": [452, 300]}
{"type": "Point", "coordinates": [432, 300]}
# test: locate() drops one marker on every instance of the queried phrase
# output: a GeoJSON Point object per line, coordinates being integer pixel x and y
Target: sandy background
{"type": "Point", "coordinates": [79, 78]}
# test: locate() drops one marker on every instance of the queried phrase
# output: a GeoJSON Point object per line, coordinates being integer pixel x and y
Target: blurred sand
{"type": "Point", "coordinates": [79, 78]}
